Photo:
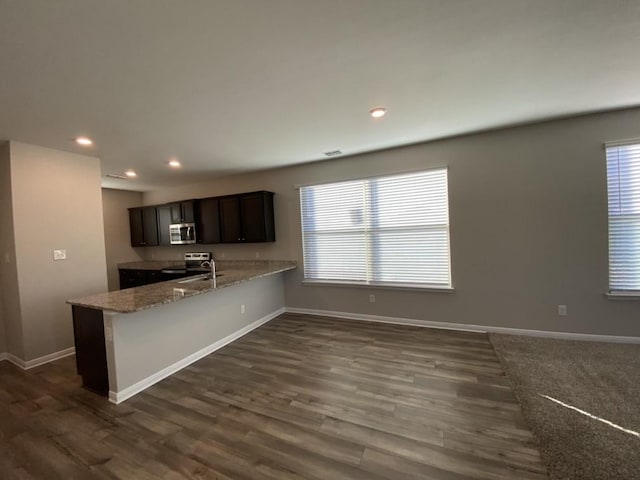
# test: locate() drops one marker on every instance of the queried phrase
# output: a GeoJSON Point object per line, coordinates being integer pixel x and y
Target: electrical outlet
{"type": "Point", "coordinates": [257, 254]}
{"type": "Point", "coordinates": [108, 334]}
{"type": "Point", "coordinates": [59, 254]}
{"type": "Point", "coordinates": [242, 309]}
{"type": "Point", "coordinates": [562, 310]}
{"type": "Point", "coordinates": [178, 293]}
{"type": "Point", "coordinates": [372, 298]}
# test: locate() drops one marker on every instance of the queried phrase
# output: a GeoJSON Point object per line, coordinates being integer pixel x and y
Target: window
{"type": "Point", "coordinates": [623, 178]}
{"type": "Point", "coordinates": [391, 230]}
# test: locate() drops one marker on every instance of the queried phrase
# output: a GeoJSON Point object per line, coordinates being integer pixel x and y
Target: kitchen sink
{"type": "Point", "coordinates": [199, 278]}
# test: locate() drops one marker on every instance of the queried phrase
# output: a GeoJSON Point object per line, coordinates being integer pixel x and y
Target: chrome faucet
{"type": "Point", "coordinates": [212, 265]}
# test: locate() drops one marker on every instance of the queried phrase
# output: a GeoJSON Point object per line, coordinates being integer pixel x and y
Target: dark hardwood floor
{"type": "Point", "coordinates": [302, 397]}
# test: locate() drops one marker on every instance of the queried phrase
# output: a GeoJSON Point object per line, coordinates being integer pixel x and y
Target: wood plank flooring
{"type": "Point", "coordinates": [302, 397]}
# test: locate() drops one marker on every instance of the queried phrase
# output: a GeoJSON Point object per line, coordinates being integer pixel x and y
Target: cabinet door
{"type": "Point", "coordinates": [176, 212]}
{"type": "Point", "coordinates": [136, 227]}
{"type": "Point", "coordinates": [188, 213]}
{"type": "Point", "coordinates": [164, 220]}
{"type": "Point", "coordinates": [182, 212]}
{"type": "Point", "coordinates": [252, 217]}
{"type": "Point", "coordinates": [230, 230]}
{"type": "Point", "coordinates": [91, 355]}
{"type": "Point", "coordinates": [150, 226]}
{"type": "Point", "coordinates": [153, 276]}
{"type": "Point", "coordinates": [136, 278]}
{"type": "Point", "coordinates": [256, 210]}
{"type": "Point", "coordinates": [208, 221]}
{"type": "Point", "coordinates": [127, 280]}
{"type": "Point", "coordinates": [132, 278]}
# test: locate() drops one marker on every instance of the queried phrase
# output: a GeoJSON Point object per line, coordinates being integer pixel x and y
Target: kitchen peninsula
{"type": "Point", "coordinates": [127, 340]}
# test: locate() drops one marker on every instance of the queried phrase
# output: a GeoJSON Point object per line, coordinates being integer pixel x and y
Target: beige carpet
{"type": "Point", "coordinates": [601, 380]}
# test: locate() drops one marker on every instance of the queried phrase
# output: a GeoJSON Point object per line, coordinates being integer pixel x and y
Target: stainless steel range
{"type": "Point", "coordinates": [192, 266]}
{"type": "Point", "coordinates": [193, 260]}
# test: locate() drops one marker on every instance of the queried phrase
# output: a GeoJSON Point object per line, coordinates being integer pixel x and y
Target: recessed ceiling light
{"type": "Point", "coordinates": [174, 164]}
{"type": "Point", "coordinates": [130, 174]}
{"type": "Point", "coordinates": [84, 141]}
{"type": "Point", "coordinates": [377, 112]}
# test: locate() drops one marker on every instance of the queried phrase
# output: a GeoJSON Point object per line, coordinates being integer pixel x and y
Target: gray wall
{"type": "Point", "coordinates": [5, 204]}
{"type": "Point", "coordinates": [3, 342]}
{"type": "Point", "coordinates": [116, 231]}
{"type": "Point", "coordinates": [528, 212]}
{"type": "Point", "coordinates": [9, 292]}
{"type": "Point", "coordinates": [149, 341]}
{"type": "Point", "coordinates": [57, 204]}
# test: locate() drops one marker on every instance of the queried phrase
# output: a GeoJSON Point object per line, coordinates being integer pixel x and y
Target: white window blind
{"type": "Point", "coordinates": [391, 230]}
{"type": "Point", "coordinates": [623, 178]}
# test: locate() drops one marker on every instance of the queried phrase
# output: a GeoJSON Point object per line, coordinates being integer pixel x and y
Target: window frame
{"type": "Point", "coordinates": [370, 245]}
{"type": "Point", "coordinates": [616, 292]}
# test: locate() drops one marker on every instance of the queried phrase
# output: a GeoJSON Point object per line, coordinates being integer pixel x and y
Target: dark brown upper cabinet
{"type": "Point", "coordinates": [242, 218]}
{"type": "Point", "coordinates": [182, 212]}
{"type": "Point", "coordinates": [164, 220]}
{"type": "Point", "coordinates": [207, 217]}
{"type": "Point", "coordinates": [144, 226]}
{"type": "Point", "coordinates": [178, 212]}
{"type": "Point", "coordinates": [247, 218]}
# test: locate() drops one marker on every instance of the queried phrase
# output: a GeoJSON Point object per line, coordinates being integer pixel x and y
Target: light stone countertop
{"type": "Point", "coordinates": [136, 299]}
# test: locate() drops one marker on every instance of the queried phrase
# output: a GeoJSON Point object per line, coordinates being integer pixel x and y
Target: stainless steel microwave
{"type": "Point", "coordinates": [182, 233]}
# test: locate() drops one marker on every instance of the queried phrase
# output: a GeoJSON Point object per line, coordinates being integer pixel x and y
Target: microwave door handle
{"type": "Point", "coordinates": [188, 234]}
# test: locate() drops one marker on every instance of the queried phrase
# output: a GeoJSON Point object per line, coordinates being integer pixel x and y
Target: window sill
{"type": "Point", "coordinates": [385, 286]}
{"type": "Point", "coordinates": [622, 295]}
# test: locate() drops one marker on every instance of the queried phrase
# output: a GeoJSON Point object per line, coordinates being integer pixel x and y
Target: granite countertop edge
{"type": "Point", "coordinates": [137, 299]}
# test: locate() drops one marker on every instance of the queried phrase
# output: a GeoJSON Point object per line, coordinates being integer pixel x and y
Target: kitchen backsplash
{"type": "Point", "coordinates": [220, 251]}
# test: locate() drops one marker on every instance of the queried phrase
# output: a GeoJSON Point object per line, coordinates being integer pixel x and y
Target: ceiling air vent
{"type": "Point", "coordinates": [113, 175]}
{"type": "Point", "coordinates": [333, 153]}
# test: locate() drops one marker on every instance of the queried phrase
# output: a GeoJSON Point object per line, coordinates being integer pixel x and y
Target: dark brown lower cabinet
{"type": "Point", "coordinates": [136, 278]}
{"type": "Point", "coordinates": [91, 353]}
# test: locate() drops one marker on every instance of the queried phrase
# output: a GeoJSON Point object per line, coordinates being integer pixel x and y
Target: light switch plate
{"type": "Point", "coordinates": [59, 254]}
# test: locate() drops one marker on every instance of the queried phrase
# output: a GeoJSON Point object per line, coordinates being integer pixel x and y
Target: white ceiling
{"type": "Point", "coordinates": [237, 85]}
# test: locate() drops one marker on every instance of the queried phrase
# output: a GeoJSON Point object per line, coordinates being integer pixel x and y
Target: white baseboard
{"type": "Point", "coordinates": [18, 362]}
{"type": "Point", "coordinates": [36, 362]}
{"type": "Point", "coordinates": [465, 327]}
{"type": "Point", "coordinates": [121, 396]}
{"type": "Point", "coordinates": [49, 358]}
